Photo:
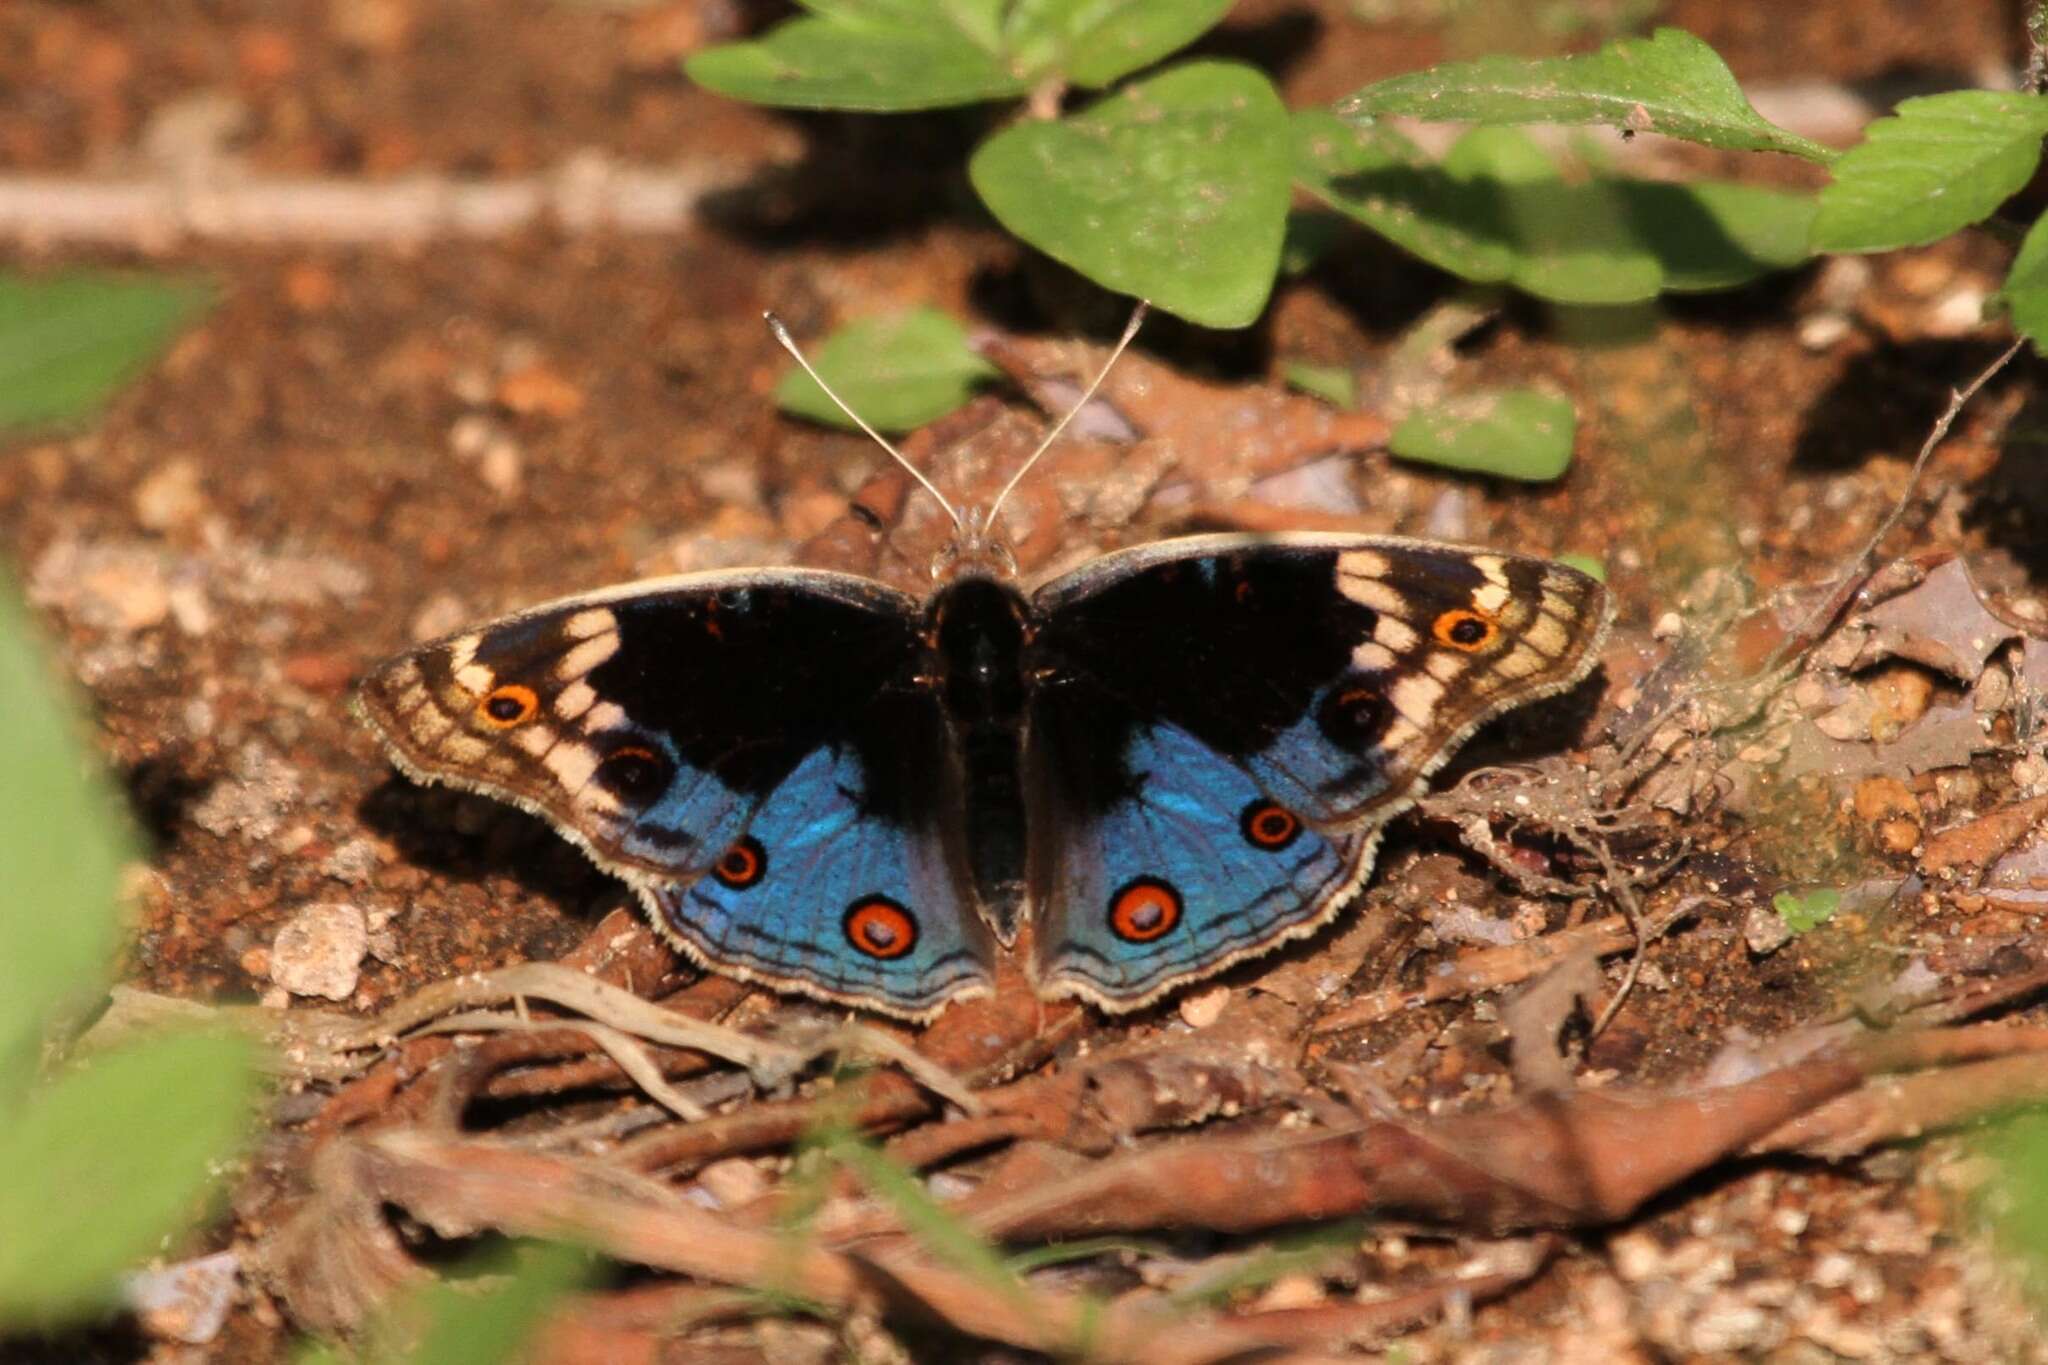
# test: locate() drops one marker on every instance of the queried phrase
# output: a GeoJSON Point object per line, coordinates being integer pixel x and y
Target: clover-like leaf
{"type": "Point", "coordinates": [67, 341]}
{"type": "Point", "coordinates": [1511, 433]}
{"type": "Point", "coordinates": [104, 1162]}
{"type": "Point", "coordinates": [1175, 189]}
{"type": "Point", "coordinates": [898, 372]}
{"type": "Point", "coordinates": [63, 839]}
{"type": "Point", "coordinates": [1806, 910]}
{"type": "Point", "coordinates": [1713, 234]}
{"type": "Point", "coordinates": [1939, 163]}
{"type": "Point", "coordinates": [1669, 83]}
{"type": "Point", "coordinates": [896, 58]}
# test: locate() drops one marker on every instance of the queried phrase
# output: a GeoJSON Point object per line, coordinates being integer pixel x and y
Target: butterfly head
{"type": "Point", "coordinates": [976, 549]}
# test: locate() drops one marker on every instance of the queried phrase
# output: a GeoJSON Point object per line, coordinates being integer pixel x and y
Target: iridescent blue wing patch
{"type": "Point", "coordinates": [1326, 676]}
{"type": "Point", "coordinates": [1166, 862]}
{"type": "Point", "coordinates": [843, 885]}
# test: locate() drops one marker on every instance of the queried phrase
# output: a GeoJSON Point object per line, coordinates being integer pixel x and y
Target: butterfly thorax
{"type": "Point", "coordinates": [977, 630]}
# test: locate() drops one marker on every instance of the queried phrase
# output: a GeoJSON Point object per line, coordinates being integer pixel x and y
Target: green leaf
{"type": "Point", "coordinates": [1334, 384]}
{"type": "Point", "coordinates": [1588, 565]}
{"type": "Point", "coordinates": [108, 1160]}
{"type": "Point", "coordinates": [67, 341]}
{"type": "Point", "coordinates": [1805, 911]}
{"type": "Point", "coordinates": [2025, 292]}
{"type": "Point", "coordinates": [1381, 179]}
{"type": "Point", "coordinates": [1717, 235]}
{"type": "Point", "coordinates": [1669, 83]}
{"type": "Point", "coordinates": [63, 839]}
{"type": "Point", "coordinates": [2017, 1193]}
{"type": "Point", "coordinates": [880, 64]}
{"type": "Point", "coordinates": [1512, 433]}
{"type": "Point", "coordinates": [945, 1236]}
{"type": "Point", "coordinates": [1174, 189]}
{"type": "Point", "coordinates": [1570, 243]}
{"type": "Point", "coordinates": [1095, 42]}
{"type": "Point", "coordinates": [898, 373]}
{"type": "Point", "coordinates": [1939, 163]}
{"type": "Point", "coordinates": [470, 1324]}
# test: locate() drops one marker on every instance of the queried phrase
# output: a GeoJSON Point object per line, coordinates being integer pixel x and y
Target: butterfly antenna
{"type": "Point", "coordinates": [1130, 330]}
{"type": "Point", "coordinates": [782, 335]}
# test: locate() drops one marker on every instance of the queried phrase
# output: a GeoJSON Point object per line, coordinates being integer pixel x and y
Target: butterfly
{"type": "Point", "coordinates": [1171, 759]}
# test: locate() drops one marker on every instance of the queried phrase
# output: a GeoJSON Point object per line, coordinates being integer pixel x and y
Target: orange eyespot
{"type": "Point", "coordinates": [881, 928]}
{"type": "Point", "coordinates": [1268, 826]}
{"type": "Point", "coordinates": [507, 706]}
{"type": "Point", "coordinates": [1463, 629]}
{"type": "Point", "coordinates": [742, 865]}
{"type": "Point", "coordinates": [1144, 910]}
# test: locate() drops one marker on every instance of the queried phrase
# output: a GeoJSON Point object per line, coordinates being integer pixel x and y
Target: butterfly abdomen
{"type": "Point", "coordinates": [977, 632]}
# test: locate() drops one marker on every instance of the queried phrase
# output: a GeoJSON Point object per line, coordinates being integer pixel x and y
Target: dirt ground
{"type": "Point", "coordinates": [364, 446]}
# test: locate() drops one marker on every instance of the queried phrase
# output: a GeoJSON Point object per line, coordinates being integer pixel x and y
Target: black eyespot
{"type": "Point", "coordinates": [1354, 714]}
{"type": "Point", "coordinates": [634, 773]}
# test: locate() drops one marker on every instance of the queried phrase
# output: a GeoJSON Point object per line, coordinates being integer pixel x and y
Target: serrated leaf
{"type": "Point", "coordinates": [1510, 433]}
{"type": "Point", "coordinates": [2025, 292]}
{"type": "Point", "coordinates": [109, 1159]}
{"type": "Point", "coordinates": [1669, 83]}
{"type": "Point", "coordinates": [67, 341]}
{"type": "Point", "coordinates": [878, 65]}
{"type": "Point", "coordinates": [1938, 164]}
{"type": "Point", "coordinates": [63, 839]}
{"type": "Point", "coordinates": [1095, 42]}
{"type": "Point", "coordinates": [1173, 189]}
{"type": "Point", "coordinates": [1570, 243]}
{"type": "Point", "coordinates": [1717, 235]}
{"type": "Point", "coordinates": [898, 373]}
{"type": "Point", "coordinates": [1381, 179]}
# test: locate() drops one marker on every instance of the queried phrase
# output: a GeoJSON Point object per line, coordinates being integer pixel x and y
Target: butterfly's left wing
{"type": "Point", "coordinates": [751, 751]}
{"type": "Point", "coordinates": [1222, 724]}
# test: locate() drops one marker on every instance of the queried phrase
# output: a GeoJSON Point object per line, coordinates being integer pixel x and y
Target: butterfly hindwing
{"type": "Point", "coordinates": [1165, 862]}
{"type": "Point", "coordinates": [657, 725]}
{"type": "Point", "coordinates": [843, 885]}
{"type": "Point", "coordinates": [1193, 687]}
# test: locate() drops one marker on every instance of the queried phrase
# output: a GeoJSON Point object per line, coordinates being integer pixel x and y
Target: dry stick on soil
{"type": "Point", "coordinates": [1490, 969]}
{"type": "Point", "coordinates": [462, 1187]}
{"type": "Point", "coordinates": [1809, 632]}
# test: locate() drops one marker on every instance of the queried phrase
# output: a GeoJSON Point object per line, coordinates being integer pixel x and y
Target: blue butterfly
{"type": "Point", "coordinates": [1172, 759]}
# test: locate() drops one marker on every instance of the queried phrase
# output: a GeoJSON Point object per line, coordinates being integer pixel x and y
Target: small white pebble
{"type": "Point", "coordinates": [1203, 1007]}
